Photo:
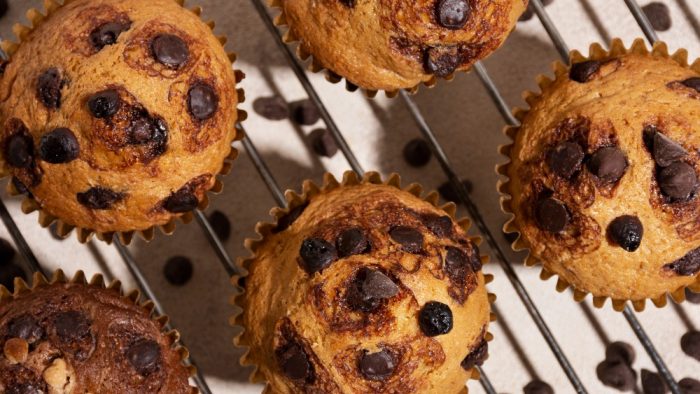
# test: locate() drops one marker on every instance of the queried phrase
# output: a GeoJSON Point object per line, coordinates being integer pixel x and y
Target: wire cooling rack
{"type": "Point", "coordinates": [483, 229]}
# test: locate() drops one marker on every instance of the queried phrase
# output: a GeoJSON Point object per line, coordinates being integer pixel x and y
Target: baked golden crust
{"type": "Point", "coordinates": [630, 102]}
{"type": "Point", "coordinates": [160, 142]}
{"type": "Point", "coordinates": [386, 44]}
{"type": "Point", "coordinates": [285, 307]}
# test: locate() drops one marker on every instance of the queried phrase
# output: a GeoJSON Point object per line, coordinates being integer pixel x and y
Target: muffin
{"type": "Point", "coordinates": [363, 287]}
{"type": "Point", "coordinates": [603, 175]}
{"type": "Point", "coordinates": [116, 115]}
{"type": "Point", "coordinates": [397, 44]}
{"type": "Point", "coordinates": [73, 337]}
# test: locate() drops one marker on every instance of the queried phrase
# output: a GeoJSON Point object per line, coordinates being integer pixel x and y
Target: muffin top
{"type": "Point", "coordinates": [117, 115]}
{"type": "Point", "coordinates": [365, 288]}
{"type": "Point", "coordinates": [78, 338]}
{"type": "Point", "coordinates": [397, 44]}
{"type": "Point", "coordinates": [603, 175]}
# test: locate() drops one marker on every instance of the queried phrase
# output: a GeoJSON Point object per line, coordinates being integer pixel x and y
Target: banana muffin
{"type": "Point", "coordinates": [363, 287]}
{"type": "Point", "coordinates": [603, 177]}
{"type": "Point", "coordinates": [116, 115]}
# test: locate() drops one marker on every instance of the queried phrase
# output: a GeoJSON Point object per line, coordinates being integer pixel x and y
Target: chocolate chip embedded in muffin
{"type": "Point", "coordinates": [678, 181]}
{"type": "Point", "coordinates": [458, 264]}
{"type": "Point", "coordinates": [687, 265]}
{"type": "Point", "coordinates": [693, 83]}
{"type": "Point", "coordinates": [476, 356]}
{"type": "Point", "coordinates": [170, 50]}
{"type": "Point", "coordinates": [294, 362]}
{"type": "Point", "coordinates": [452, 14]}
{"type": "Point", "coordinates": [626, 231]}
{"type": "Point", "coordinates": [26, 327]}
{"type": "Point", "coordinates": [49, 87]}
{"type": "Point", "coordinates": [551, 215]}
{"type": "Point", "coordinates": [59, 146]}
{"type": "Point", "coordinates": [72, 326]}
{"type": "Point", "coordinates": [616, 374]}
{"type": "Point", "coordinates": [441, 226]}
{"type": "Point", "coordinates": [107, 34]}
{"type": "Point", "coordinates": [653, 383]}
{"type": "Point", "coordinates": [19, 149]}
{"type": "Point", "coordinates": [352, 241]}
{"type": "Point", "coordinates": [377, 366]}
{"type": "Point", "coordinates": [316, 254]}
{"type": "Point", "coordinates": [608, 164]}
{"type": "Point", "coordinates": [100, 198]}
{"type": "Point", "coordinates": [435, 318]}
{"type": "Point", "coordinates": [410, 239]}
{"type": "Point", "coordinates": [442, 61]}
{"type": "Point", "coordinates": [584, 71]}
{"type": "Point", "coordinates": [368, 289]}
{"type": "Point", "coordinates": [202, 101]}
{"type": "Point", "coordinates": [666, 151]}
{"type": "Point", "coordinates": [104, 104]}
{"type": "Point", "coordinates": [144, 356]}
{"type": "Point", "coordinates": [565, 159]}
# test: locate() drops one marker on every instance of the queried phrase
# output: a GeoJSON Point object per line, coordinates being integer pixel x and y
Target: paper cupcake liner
{"type": "Point", "coordinates": [309, 191]}
{"type": "Point", "coordinates": [596, 52]}
{"type": "Point", "coordinates": [97, 281]}
{"type": "Point", "coordinates": [84, 235]}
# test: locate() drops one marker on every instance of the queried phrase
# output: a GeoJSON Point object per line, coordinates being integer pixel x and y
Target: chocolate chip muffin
{"type": "Point", "coordinates": [73, 337]}
{"type": "Point", "coordinates": [363, 287]}
{"type": "Point", "coordinates": [116, 116]}
{"type": "Point", "coordinates": [603, 177]}
{"type": "Point", "coordinates": [396, 44]}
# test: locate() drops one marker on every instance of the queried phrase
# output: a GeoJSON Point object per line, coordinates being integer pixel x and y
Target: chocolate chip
{"type": "Point", "coordinates": [104, 104]}
{"type": "Point", "coordinates": [178, 270]}
{"type": "Point", "coordinates": [348, 3]}
{"type": "Point", "coordinates": [287, 220]}
{"type": "Point", "coordinates": [19, 150]}
{"type": "Point", "coordinates": [368, 289]}
{"type": "Point", "coordinates": [666, 151]}
{"type": "Point", "coordinates": [144, 356]}
{"type": "Point", "coordinates": [620, 351]}
{"type": "Point", "coordinates": [100, 198]}
{"type": "Point", "coordinates": [59, 146]}
{"type": "Point", "coordinates": [690, 343]}
{"type": "Point", "coordinates": [107, 34]}
{"type": "Point", "coordinates": [692, 297]}
{"type": "Point", "coordinates": [305, 113]}
{"type": "Point", "coordinates": [273, 108]}
{"type": "Point", "coordinates": [442, 61]}
{"type": "Point", "coordinates": [452, 14]}
{"type": "Point", "coordinates": [551, 215]}
{"type": "Point", "coordinates": [8, 273]}
{"type": "Point", "coordinates": [411, 240]}
{"type": "Point", "coordinates": [537, 387]}
{"type": "Point", "coordinates": [27, 388]}
{"type": "Point", "coordinates": [687, 265]}
{"type": "Point", "coordinates": [202, 101]}
{"type": "Point", "coordinates": [351, 242]}
{"type": "Point", "coordinates": [417, 152]}
{"type": "Point", "coordinates": [653, 383]}
{"type": "Point", "coordinates": [7, 252]}
{"type": "Point", "coordinates": [71, 326]}
{"type": "Point", "coordinates": [181, 201]}
{"type": "Point", "coordinates": [294, 362]}
{"type": "Point", "coordinates": [49, 88]}
{"type": "Point", "coordinates": [693, 83]}
{"type": "Point", "coordinates": [616, 374]}
{"type": "Point", "coordinates": [221, 225]}
{"type": "Point", "coordinates": [435, 319]}
{"type": "Point", "coordinates": [583, 72]}
{"type": "Point", "coordinates": [323, 143]}
{"type": "Point", "coordinates": [317, 254]}
{"type": "Point", "coordinates": [25, 327]}
{"type": "Point", "coordinates": [678, 181]}
{"type": "Point", "coordinates": [608, 164]}
{"type": "Point", "coordinates": [377, 366]}
{"type": "Point", "coordinates": [170, 50]}
{"type": "Point", "coordinates": [476, 356]}
{"type": "Point", "coordinates": [565, 159]}
{"type": "Point", "coordinates": [689, 386]}
{"type": "Point", "coordinates": [379, 286]}
{"type": "Point", "coordinates": [458, 265]}
{"type": "Point", "coordinates": [626, 231]}
{"type": "Point", "coordinates": [659, 15]}
{"type": "Point", "coordinates": [147, 129]}
{"type": "Point", "coordinates": [441, 226]}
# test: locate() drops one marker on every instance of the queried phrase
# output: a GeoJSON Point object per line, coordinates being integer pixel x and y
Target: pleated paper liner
{"type": "Point", "coordinates": [97, 281]}
{"type": "Point", "coordinates": [64, 228]}
{"type": "Point", "coordinates": [596, 52]}
{"type": "Point", "coordinates": [309, 191]}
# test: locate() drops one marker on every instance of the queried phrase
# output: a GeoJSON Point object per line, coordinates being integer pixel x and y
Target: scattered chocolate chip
{"type": "Point", "coordinates": [104, 104]}
{"type": "Point", "coordinates": [294, 362]}
{"type": "Point", "coordinates": [144, 356]}
{"type": "Point", "coordinates": [71, 326]}
{"type": "Point", "coordinates": [666, 151]}
{"type": "Point", "coordinates": [452, 14]}
{"type": "Point", "coordinates": [449, 193]}
{"type": "Point", "coordinates": [620, 351]}
{"type": "Point", "coordinates": [181, 201]}
{"type": "Point", "coordinates": [49, 88]}
{"type": "Point", "coordinates": [273, 108]}
{"type": "Point", "coordinates": [7, 252]}
{"type": "Point", "coordinates": [435, 319]}
{"type": "Point", "coordinates": [305, 113]}
{"type": "Point", "coordinates": [221, 225]}
{"type": "Point", "coordinates": [608, 164]}
{"type": "Point", "coordinates": [368, 288]}
{"type": "Point", "coordinates": [692, 297]}
{"type": "Point", "coordinates": [377, 366]}
{"type": "Point", "coordinates": [441, 226]}
{"type": "Point", "coordinates": [678, 181]}
{"type": "Point", "coordinates": [626, 231]}
{"type": "Point", "coordinates": [317, 254]}
{"type": "Point", "coordinates": [59, 146]}
{"type": "Point", "coordinates": [323, 143]}
{"type": "Point", "coordinates": [170, 50]}
{"type": "Point", "coordinates": [476, 356]}
{"type": "Point", "coordinates": [411, 240]}
{"type": "Point", "coordinates": [687, 265]}
{"type": "Point", "coordinates": [99, 198]}
{"type": "Point", "coordinates": [659, 15]}
{"type": "Point", "coordinates": [107, 34]}
{"type": "Point", "coordinates": [565, 159]}
{"type": "Point", "coordinates": [537, 387]}
{"type": "Point", "coordinates": [25, 327]}
{"type": "Point", "coordinates": [178, 270]}
{"type": "Point", "coordinates": [693, 83]}
{"type": "Point", "coordinates": [616, 374]}
{"type": "Point", "coordinates": [653, 383]}
{"type": "Point", "coordinates": [690, 343]}
{"type": "Point", "coordinates": [551, 215]}
{"type": "Point", "coordinates": [442, 61]}
{"type": "Point", "coordinates": [417, 152]}
{"type": "Point", "coordinates": [583, 72]}
{"type": "Point", "coordinates": [287, 220]}
{"type": "Point", "coordinates": [19, 150]}
{"type": "Point", "coordinates": [351, 242]}
{"type": "Point", "coordinates": [689, 386]}
{"type": "Point", "coordinates": [8, 273]}
{"type": "Point", "coordinates": [202, 101]}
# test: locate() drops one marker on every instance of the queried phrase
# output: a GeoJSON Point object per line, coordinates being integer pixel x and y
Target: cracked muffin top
{"type": "Point", "coordinates": [365, 288]}
{"type": "Point", "coordinates": [67, 338]}
{"type": "Point", "coordinates": [116, 115]}
{"type": "Point", "coordinates": [603, 179]}
{"type": "Point", "coordinates": [397, 44]}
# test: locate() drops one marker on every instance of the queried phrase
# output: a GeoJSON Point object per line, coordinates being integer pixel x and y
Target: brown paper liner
{"type": "Point", "coordinates": [97, 281]}
{"type": "Point", "coordinates": [309, 191]}
{"type": "Point", "coordinates": [84, 235]}
{"type": "Point", "coordinates": [596, 52]}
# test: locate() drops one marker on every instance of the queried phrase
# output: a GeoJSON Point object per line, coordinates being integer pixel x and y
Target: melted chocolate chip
{"type": "Point", "coordinates": [273, 108]}
{"type": "Point", "coordinates": [411, 240]}
{"type": "Point", "coordinates": [146, 129]}
{"type": "Point", "coordinates": [441, 226]}
{"type": "Point", "coordinates": [435, 319]}
{"type": "Point", "coordinates": [49, 88]}
{"type": "Point", "coordinates": [25, 327]}
{"type": "Point", "coordinates": [584, 71]}
{"type": "Point", "coordinates": [294, 362]}
{"type": "Point", "coordinates": [452, 14]}
{"type": "Point", "coordinates": [417, 152]}
{"type": "Point", "coordinates": [287, 220]}
{"type": "Point", "coordinates": [107, 34]}
{"type": "Point", "coordinates": [323, 143]}
{"type": "Point", "coordinates": [379, 286]}
{"type": "Point", "coordinates": [351, 242]}
{"type": "Point", "coordinates": [687, 265]}
{"type": "Point", "coordinates": [551, 215]}
{"type": "Point", "coordinates": [616, 374]}
{"type": "Point", "coordinates": [678, 181]}
{"type": "Point", "coordinates": [170, 50]}
{"type": "Point", "coordinates": [653, 383]}
{"type": "Point", "coordinates": [565, 159]}
{"type": "Point", "coordinates": [71, 326]}
{"type": "Point", "coordinates": [377, 366]}
{"type": "Point", "coordinates": [538, 387]}
{"type": "Point", "coordinates": [19, 150]}
{"type": "Point", "coordinates": [690, 344]}
{"type": "Point", "coordinates": [221, 225]}
{"type": "Point", "coordinates": [666, 151]}
{"type": "Point", "coordinates": [317, 254]}
{"type": "Point", "coordinates": [104, 104]}
{"type": "Point", "coordinates": [626, 231]}
{"type": "Point", "coordinates": [476, 356]}
{"type": "Point", "coordinates": [620, 351]}
{"type": "Point", "coordinates": [458, 265]}
{"type": "Point", "coordinates": [202, 101]}
{"type": "Point", "coordinates": [608, 164]}
{"type": "Point", "coordinates": [59, 146]}
{"type": "Point", "coordinates": [181, 201]}
{"type": "Point", "coordinates": [178, 270]}
{"type": "Point", "coordinates": [99, 198]}
{"type": "Point", "coordinates": [144, 356]}
{"type": "Point", "coordinates": [442, 61]}
{"type": "Point", "coordinates": [659, 15]}
{"type": "Point", "coordinates": [693, 83]}
{"type": "Point", "coordinates": [368, 288]}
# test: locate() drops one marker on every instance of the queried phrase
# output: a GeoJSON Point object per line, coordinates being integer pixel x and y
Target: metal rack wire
{"type": "Point", "coordinates": [297, 67]}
